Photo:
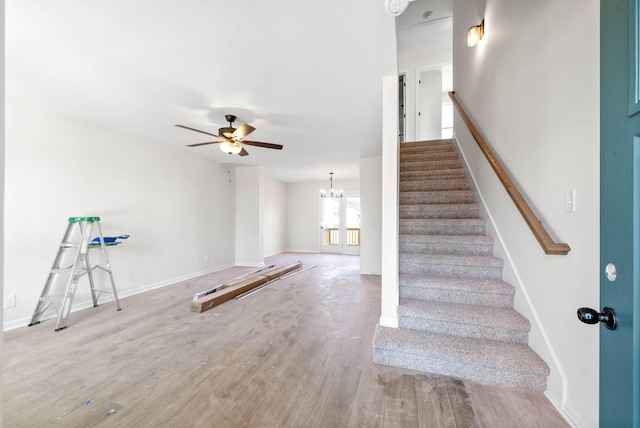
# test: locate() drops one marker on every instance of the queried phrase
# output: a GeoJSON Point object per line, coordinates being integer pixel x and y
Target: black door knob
{"type": "Point", "coordinates": [591, 316]}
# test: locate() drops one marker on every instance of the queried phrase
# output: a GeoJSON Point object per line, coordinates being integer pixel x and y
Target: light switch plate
{"type": "Point", "coordinates": [570, 201]}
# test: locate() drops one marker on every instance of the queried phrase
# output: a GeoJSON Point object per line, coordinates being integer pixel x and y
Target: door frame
{"type": "Point", "coordinates": [419, 71]}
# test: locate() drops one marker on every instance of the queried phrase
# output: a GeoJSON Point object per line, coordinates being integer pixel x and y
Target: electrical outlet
{"type": "Point", "coordinates": [10, 301]}
{"type": "Point", "coordinates": [206, 260]}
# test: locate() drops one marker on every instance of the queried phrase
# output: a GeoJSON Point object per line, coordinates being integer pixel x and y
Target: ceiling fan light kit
{"type": "Point", "coordinates": [230, 147]}
{"type": "Point", "coordinates": [233, 138]}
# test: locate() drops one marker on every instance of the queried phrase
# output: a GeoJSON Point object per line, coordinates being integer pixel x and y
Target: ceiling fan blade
{"type": "Point", "coordinates": [197, 130]}
{"type": "Point", "coordinates": [265, 145]}
{"type": "Point", "coordinates": [243, 131]}
{"type": "Point", "coordinates": [243, 152]}
{"type": "Point", "coordinates": [203, 144]}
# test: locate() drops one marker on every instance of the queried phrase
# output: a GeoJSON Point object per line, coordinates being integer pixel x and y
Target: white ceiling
{"type": "Point", "coordinates": [428, 34]}
{"type": "Point", "coordinates": [436, 10]}
{"type": "Point", "coordinates": [305, 74]}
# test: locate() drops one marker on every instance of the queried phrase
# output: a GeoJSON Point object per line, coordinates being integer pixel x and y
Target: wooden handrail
{"type": "Point", "coordinates": [541, 234]}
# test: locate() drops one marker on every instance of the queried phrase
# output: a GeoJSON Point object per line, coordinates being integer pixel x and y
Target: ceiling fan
{"type": "Point", "coordinates": [232, 138]}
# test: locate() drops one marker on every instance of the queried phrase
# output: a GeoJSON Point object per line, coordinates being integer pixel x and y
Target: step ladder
{"type": "Point", "coordinates": [70, 264]}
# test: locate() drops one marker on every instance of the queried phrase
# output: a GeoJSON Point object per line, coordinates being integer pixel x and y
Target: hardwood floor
{"type": "Point", "coordinates": [296, 354]}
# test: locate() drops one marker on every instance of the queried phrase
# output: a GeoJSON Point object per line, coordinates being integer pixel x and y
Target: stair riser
{"type": "Point", "coordinates": [456, 296]}
{"type": "Point", "coordinates": [438, 197]}
{"type": "Point", "coordinates": [442, 211]}
{"type": "Point", "coordinates": [433, 185]}
{"type": "Point", "coordinates": [439, 364]}
{"type": "Point", "coordinates": [452, 249]}
{"type": "Point", "coordinates": [480, 272]}
{"type": "Point", "coordinates": [463, 330]}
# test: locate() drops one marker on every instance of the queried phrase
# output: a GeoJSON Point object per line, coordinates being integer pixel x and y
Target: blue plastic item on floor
{"type": "Point", "coordinates": [108, 239]}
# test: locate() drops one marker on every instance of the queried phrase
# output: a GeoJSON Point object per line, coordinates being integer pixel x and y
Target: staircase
{"type": "Point", "coordinates": [456, 315]}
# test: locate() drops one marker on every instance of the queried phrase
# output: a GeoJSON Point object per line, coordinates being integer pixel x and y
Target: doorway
{"type": "Point", "coordinates": [434, 109]}
{"type": "Point", "coordinates": [340, 225]}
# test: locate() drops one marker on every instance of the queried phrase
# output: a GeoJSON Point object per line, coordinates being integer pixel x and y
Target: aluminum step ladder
{"type": "Point", "coordinates": [70, 264]}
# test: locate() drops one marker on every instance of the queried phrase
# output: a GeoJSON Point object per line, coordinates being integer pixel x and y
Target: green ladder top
{"type": "Point", "coordinates": [79, 219]}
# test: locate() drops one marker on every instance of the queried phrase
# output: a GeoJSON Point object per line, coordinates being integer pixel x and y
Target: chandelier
{"type": "Point", "coordinates": [332, 193]}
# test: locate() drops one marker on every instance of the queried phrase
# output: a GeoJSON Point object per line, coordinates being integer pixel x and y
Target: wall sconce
{"type": "Point", "coordinates": [475, 33]}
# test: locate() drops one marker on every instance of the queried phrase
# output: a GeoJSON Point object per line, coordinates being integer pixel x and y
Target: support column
{"type": "Point", "coordinates": [249, 216]}
{"type": "Point", "coordinates": [390, 156]}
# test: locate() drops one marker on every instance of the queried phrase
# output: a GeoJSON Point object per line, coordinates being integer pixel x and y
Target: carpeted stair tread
{"type": "Point", "coordinates": [449, 239]}
{"type": "Point", "coordinates": [442, 226]}
{"type": "Point", "coordinates": [437, 174]}
{"type": "Point", "coordinates": [475, 291]}
{"type": "Point", "coordinates": [437, 197]}
{"type": "Point", "coordinates": [453, 260]}
{"type": "Point", "coordinates": [451, 265]}
{"type": "Point", "coordinates": [485, 361]}
{"type": "Point", "coordinates": [476, 245]}
{"type": "Point", "coordinates": [430, 165]}
{"type": "Point", "coordinates": [411, 149]}
{"type": "Point", "coordinates": [424, 156]}
{"type": "Point", "coordinates": [434, 184]}
{"type": "Point", "coordinates": [446, 144]}
{"type": "Point", "coordinates": [423, 211]}
{"type": "Point", "coordinates": [495, 323]}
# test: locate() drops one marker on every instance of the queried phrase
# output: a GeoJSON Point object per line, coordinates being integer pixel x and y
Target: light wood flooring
{"type": "Point", "coordinates": [296, 354]}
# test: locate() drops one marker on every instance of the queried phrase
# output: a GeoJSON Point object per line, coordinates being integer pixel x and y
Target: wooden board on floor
{"type": "Point", "coordinates": [227, 293]}
{"type": "Point", "coordinates": [277, 272]}
{"type": "Point", "coordinates": [235, 287]}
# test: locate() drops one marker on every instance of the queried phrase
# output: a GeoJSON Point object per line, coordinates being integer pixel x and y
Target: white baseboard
{"type": "Point", "coordinates": [290, 250]}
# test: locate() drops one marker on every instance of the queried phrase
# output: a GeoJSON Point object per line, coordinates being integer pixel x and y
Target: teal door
{"type": "Point", "coordinates": [620, 212]}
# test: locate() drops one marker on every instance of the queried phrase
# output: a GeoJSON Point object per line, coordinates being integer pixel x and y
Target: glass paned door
{"type": "Point", "coordinates": [340, 225]}
{"type": "Point", "coordinates": [330, 227]}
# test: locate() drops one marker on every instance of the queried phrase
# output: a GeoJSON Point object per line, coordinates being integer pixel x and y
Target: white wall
{"type": "Point", "coordinates": [178, 208]}
{"type": "Point", "coordinates": [303, 212]}
{"type": "Point", "coordinates": [275, 217]}
{"type": "Point", "coordinates": [531, 86]}
{"type": "Point", "coordinates": [371, 221]}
